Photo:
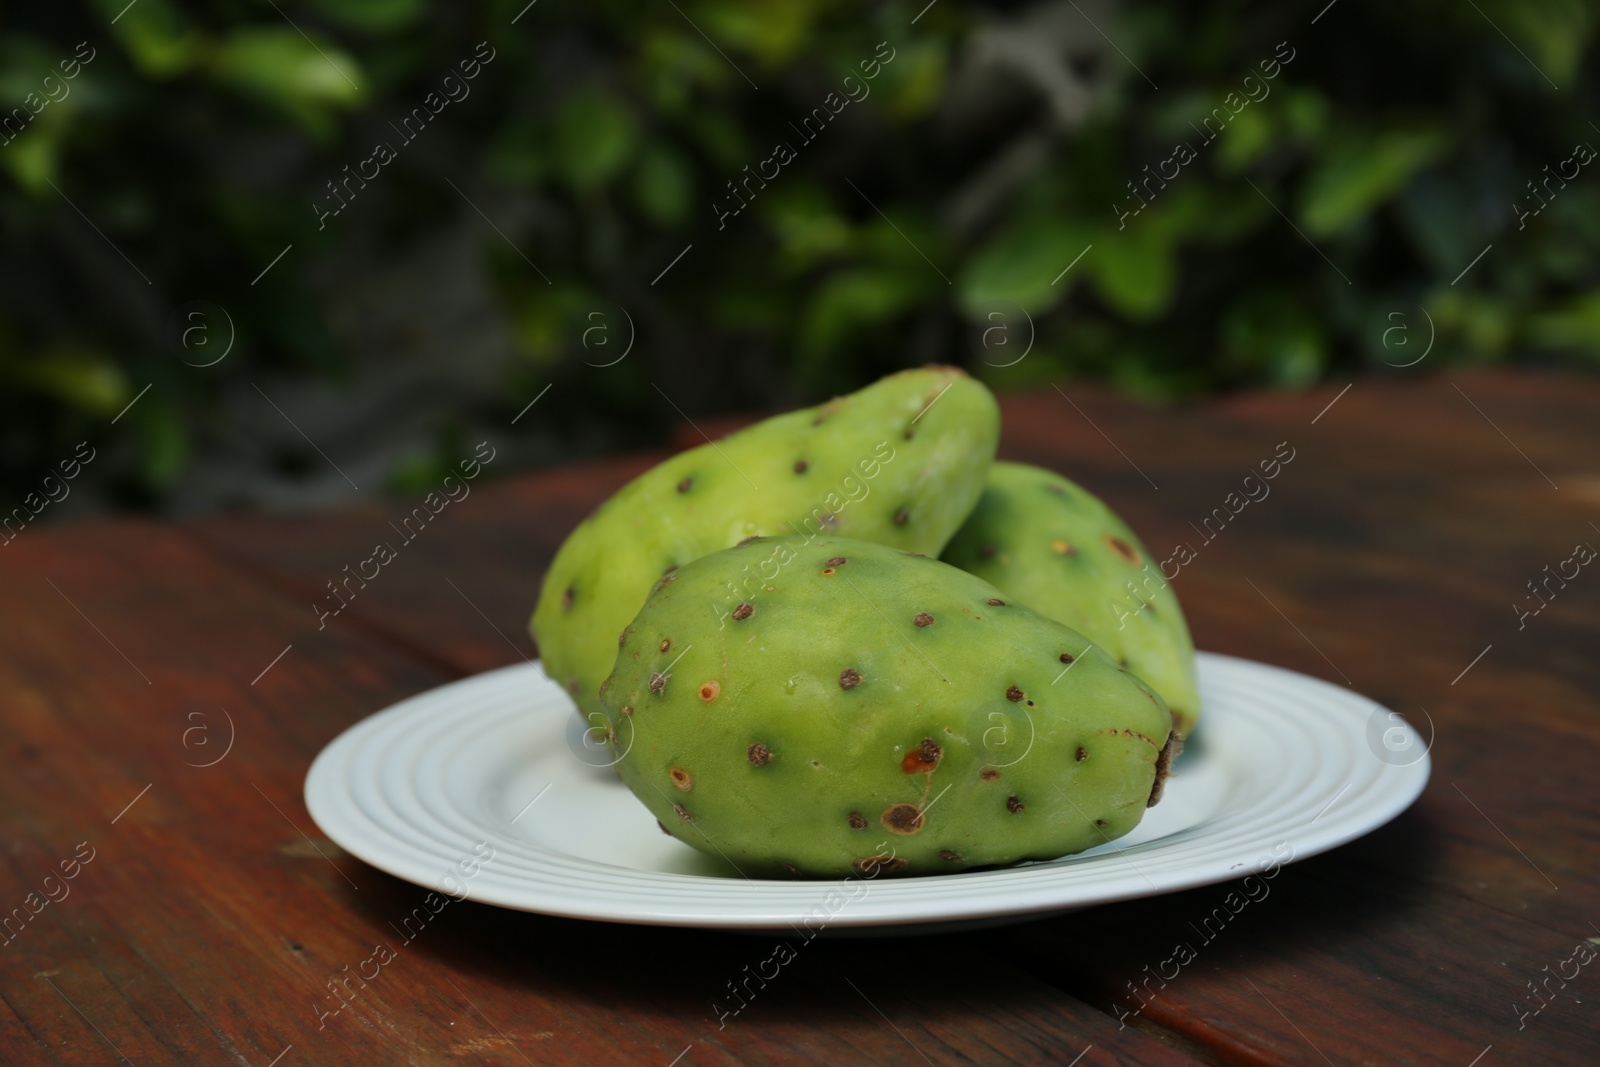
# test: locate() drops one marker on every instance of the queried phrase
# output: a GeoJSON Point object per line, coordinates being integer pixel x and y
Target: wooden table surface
{"type": "Point", "coordinates": [206, 914]}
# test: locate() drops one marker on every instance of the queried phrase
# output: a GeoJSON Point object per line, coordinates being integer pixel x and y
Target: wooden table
{"type": "Point", "coordinates": [210, 914]}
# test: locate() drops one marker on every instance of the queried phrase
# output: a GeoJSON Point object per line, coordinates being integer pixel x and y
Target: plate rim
{"type": "Point", "coordinates": [923, 906]}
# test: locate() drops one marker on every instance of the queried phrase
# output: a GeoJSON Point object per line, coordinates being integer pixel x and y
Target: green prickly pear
{"type": "Point", "coordinates": [864, 694]}
{"type": "Point", "coordinates": [1054, 546]}
{"type": "Point", "coordinates": [901, 462]}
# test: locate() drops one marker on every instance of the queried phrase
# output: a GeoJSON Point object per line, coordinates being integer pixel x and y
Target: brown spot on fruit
{"type": "Point", "coordinates": [996, 603]}
{"type": "Point", "coordinates": [922, 759]}
{"type": "Point", "coordinates": [683, 486]}
{"type": "Point", "coordinates": [988, 774]}
{"type": "Point", "coordinates": [987, 551]}
{"type": "Point", "coordinates": [800, 466]}
{"type": "Point", "coordinates": [710, 690]}
{"type": "Point", "coordinates": [743, 612]}
{"type": "Point", "coordinates": [627, 709]}
{"type": "Point", "coordinates": [837, 561]}
{"type": "Point", "coordinates": [566, 599]}
{"type": "Point", "coordinates": [901, 516]}
{"type": "Point", "coordinates": [868, 866]}
{"type": "Point", "coordinates": [658, 682]}
{"type": "Point", "coordinates": [622, 638]}
{"type": "Point", "coordinates": [849, 678]}
{"type": "Point", "coordinates": [1083, 753]}
{"type": "Point", "coordinates": [573, 685]}
{"type": "Point", "coordinates": [683, 813]}
{"type": "Point", "coordinates": [902, 819]}
{"type": "Point", "coordinates": [1013, 694]}
{"type": "Point", "coordinates": [1013, 805]}
{"type": "Point", "coordinates": [1063, 548]}
{"type": "Point", "coordinates": [681, 778]}
{"type": "Point", "coordinates": [857, 821]}
{"type": "Point", "coordinates": [1068, 657]}
{"type": "Point", "coordinates": [1169, 752]}
{"type": "Point", "coordinates": [758, 754]}
{"type": "Point", "coordinates": [1114, 732]}
{"type": "Point", "coordinates": [1123, 549]}
{"type": "Point", "coordinates": [949, 855]}
{"type": "Point", "coordinates": [791, 868]}
{"type": "Point", "coordinates": [922, 618]}
{"type": "Point", "coordinates": [666, 643]}
{"type": "Point", "coordinates": [829, 570]}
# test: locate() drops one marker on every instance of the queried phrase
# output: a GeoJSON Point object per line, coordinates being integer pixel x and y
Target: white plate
{"type": "Point", "coordinates": [1282, 764]}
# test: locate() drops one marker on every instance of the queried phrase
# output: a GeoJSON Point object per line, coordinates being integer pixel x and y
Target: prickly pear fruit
{"type": "Point", "coordinates": [901, 461]}
{"type": "Point", "coordinates": [863, 695]}
{"type": "Point", "coordinates": [1057, 548]}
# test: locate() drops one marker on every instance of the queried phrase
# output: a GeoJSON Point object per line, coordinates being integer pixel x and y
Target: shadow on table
{"type": "Point", "coordinates": [1309, 909]}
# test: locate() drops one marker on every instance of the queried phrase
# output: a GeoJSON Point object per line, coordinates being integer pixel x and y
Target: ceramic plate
{"type": "Point", "coordinates": [484, 789]}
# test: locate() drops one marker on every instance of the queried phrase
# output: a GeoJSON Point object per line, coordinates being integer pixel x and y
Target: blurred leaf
{"type": "Point", "coordinates": [772, 31]}
{"type": "Point", "coordinates": [594, 138]}
{"type": "Point", "coordinates": [549, 320]}
{"type": "Point", "coordinates": [418, 473]}
{"type": "Point", "coordinates": [88, 381]}
{"type": "Point", "coordinates": [1574, 327]}
{"type": "Point", "coordinates": [853, 300]}
{"type": "Point", "coordinates": [1553, 32]}
{"type": "Point", "coordinates": [156, 35]}
{"type": "Point", "coordinates": [661, 185]}
{"type": "Point", "coordinates": [1248, 137]}
{"type": "Point", "coordinates": [1305, 111]}
{"type": "Point", "coordinates": [806, 223]}
{"type": "Point", "coordinates": [373, 16]}
{"type": "Point", "coordinates": [605, 125]}
{"type": "Point", "coordinates": [1272, 338]}
{"type": "Point", "coordinates": [163, 443]}
{"type": "Point", "coordinates": [913, 78]}
{"type": "Point", "coordinates": [1478, 322]}
{"type": "Point", "coordinates": [1361, 172]}
{"type": "Point", "coordinates": [33, 160]}
{"type": "Point", "coordinates": [1134, 270]}
{"type": "Point", "coordinates": [290, 73]}
{"type": "Point", "coordinates": [1019, 267]}
{"type": "Point", "coordinates": [672, 64]}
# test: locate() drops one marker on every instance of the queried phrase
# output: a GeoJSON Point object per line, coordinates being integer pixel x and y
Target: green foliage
{"type": "Point", "coordinates": [1253, 222]}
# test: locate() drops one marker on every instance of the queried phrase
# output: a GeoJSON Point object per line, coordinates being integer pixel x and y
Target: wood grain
{"type": "Point", "coordinates": [211, 916]}
{"type": "Point", "coordinates": [1386, 556]}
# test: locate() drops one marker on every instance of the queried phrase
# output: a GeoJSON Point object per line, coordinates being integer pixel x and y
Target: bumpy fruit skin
{"type": "Point", "coordinates": [900, 462]}
{"type": "Point", "coordinates": [867, 702]}
{"type": "Point", "coordinates": [1054, 546]}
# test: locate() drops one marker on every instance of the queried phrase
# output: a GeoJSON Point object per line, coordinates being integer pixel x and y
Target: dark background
{"type": "Point", "coordinates": [527, 237]}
